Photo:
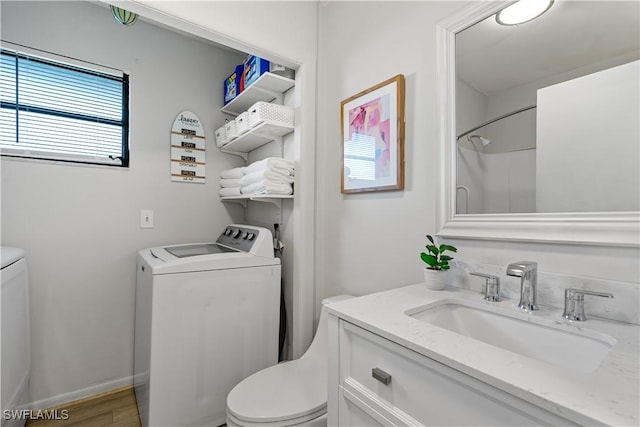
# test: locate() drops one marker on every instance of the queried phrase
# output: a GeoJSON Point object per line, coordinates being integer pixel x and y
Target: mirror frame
{"type": "Point", "coordinates": [581, 228]}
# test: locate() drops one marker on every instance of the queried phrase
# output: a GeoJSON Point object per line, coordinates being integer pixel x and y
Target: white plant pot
{"type": "Point", "coordinates": [435, 279]}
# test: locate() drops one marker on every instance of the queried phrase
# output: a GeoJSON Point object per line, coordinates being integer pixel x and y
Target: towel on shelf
{"type": "Point", "coordinates": [269, 174]}
{"type": "Point", "coordinates": [235, 173]}
{"type": "Point", "coordinates": [230, 191]}
{"type": "Point", "coordinates": [267, 187]}
{"type": "Point", "coordinates": [230, 182]}
{"type": "Point", "coordinates": [277, 176]}
{"type": "Point", "coordinates": [274, 163]}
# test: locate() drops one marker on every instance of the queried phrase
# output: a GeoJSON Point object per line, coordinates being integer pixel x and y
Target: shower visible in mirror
{"type": "Point", "coordinates": [484, 141]}
{"type": "Point", "coordinates": [547, 112]}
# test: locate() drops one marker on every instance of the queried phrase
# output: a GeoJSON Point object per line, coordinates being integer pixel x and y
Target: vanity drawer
{"type": "Point", "coordinates": [421, 391]}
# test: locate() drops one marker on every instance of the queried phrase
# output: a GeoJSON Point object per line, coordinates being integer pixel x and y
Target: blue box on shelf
{"type": "Point", "coordinates": [254, 67]}
{"type": "Point", "coordinates": [234, 84]}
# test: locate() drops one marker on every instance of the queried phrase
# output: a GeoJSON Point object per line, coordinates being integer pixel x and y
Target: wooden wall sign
{"type": "Point", "coordinates": [188, 149]}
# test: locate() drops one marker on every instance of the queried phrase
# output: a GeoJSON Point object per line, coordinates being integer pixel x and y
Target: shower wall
{"type": "Point", "coordinates": [590, 123]}
{"type": "Point", "coordinates": [498, 179]}
{"type": "Point", "coordinates": [497, 183]}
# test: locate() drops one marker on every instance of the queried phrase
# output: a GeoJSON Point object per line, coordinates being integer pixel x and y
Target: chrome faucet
{"type": "Point", "coordinates": [574, 303]}
{"type": "Point", "coordinates": [528, 271]}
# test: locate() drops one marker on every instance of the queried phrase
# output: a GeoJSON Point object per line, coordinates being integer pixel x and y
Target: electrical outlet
{"type": "Point", "coordinates": [146, 218]}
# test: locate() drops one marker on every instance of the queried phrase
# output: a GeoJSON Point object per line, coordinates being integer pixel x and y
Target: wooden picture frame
{"type": "Point", "coordinates": [372, 124]}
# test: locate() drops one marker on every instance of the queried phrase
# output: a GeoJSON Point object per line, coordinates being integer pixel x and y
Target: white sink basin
{"type": "Point", "coordinates": [555, 343]}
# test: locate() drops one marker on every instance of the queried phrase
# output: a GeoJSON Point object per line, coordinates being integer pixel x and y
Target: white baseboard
{"type": "Point", "coordinates": [81, 394]}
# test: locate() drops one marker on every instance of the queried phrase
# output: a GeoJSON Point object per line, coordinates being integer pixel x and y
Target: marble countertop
{"type": "Point", "coordinates": [608, 396]}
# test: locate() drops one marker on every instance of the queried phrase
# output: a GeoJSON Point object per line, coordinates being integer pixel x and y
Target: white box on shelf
{"type": "Point", "coordinates": [221, 136]}
{"type": "Point", "coordinates": [274, 114]}
{"type": "Point", "coordinates": [242, 123]}
{"type": "Point", "coordinates": [231, 127]}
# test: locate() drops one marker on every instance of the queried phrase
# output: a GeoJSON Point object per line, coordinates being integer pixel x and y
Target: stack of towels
{"type": "Point", "coordinates": [230, 182]}
{"type": "Point", "coordinates": [272, 175]}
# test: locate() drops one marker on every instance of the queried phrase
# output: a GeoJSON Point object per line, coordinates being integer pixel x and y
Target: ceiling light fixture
{"type": "Point", "coordinates": [124, 17]}
{"type": "Point", "coordinates": [522, 11]}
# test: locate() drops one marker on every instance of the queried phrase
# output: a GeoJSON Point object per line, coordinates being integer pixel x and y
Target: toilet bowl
{"type": "Point", "coordinates": [288, 394]}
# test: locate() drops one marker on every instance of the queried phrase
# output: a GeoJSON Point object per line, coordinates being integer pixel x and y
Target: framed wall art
{"type": "Point", "coordinates": [373, 138]}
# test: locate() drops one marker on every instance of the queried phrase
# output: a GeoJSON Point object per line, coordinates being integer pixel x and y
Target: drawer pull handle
{"type": "Point", "coordinates": [381, 376]}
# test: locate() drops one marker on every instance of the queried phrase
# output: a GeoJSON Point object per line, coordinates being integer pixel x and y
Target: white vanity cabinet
{"type": "Point", "coordinates": [420, 391]}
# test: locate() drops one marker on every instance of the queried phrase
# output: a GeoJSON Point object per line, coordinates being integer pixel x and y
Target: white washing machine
{"type": "Point", "coordinates": [15, 356]}
{"type": "Point", "coordinates": [207, 316]}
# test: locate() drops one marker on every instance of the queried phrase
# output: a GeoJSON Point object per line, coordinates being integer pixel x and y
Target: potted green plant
{"type": "Point", "coordinates": [437, 261]}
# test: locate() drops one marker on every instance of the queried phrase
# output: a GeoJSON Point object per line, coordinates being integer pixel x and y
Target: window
{"type": "Point", "coordinates": [54, 110]}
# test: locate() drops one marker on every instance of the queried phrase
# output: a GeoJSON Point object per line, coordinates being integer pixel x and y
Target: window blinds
{"type": "Point", "coordinates": [58, 111]}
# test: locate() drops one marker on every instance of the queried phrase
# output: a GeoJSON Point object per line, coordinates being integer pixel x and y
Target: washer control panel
{"type": "Point", "coordinates": [239, 237]}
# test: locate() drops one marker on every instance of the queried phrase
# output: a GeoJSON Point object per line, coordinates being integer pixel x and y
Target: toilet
{"type": "Point", "coordinates": [292, 393]}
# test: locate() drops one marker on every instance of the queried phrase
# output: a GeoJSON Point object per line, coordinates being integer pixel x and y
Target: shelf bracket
{"type": "Point", "coordinates": [236, 153]}
{"type": "Point", "coordinates": [278, 139]}
{"type": "Point", "coordinates": [276, 202]}
{"type": "Point", "coordinates": [239, 201]}
{"type": "Point", "coordinates": [278, 97]}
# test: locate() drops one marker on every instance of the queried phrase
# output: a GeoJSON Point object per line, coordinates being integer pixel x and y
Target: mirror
{"type": "Point", "coordinates": [538, 124]}
{"type": "Point", "coordinates": [547, 116]}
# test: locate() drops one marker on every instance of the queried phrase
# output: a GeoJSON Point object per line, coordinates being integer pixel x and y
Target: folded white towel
{"type": "Point", "coordinates": [230, 182]}
{"type": "Point", "coordinates": [230, 191]}
{"type": "Point", "coordinates": [252, 177]}
{"type": "Point", "coordinates": [234, 173]}
{"type": "Point", "coordinates": [270, 175]}
{"type": "Point", "coordinates": [275, 163]}
{"type": "Point", "coordinates": [267, 187]}
{"type": "Point", "coordinates": [278, 176]}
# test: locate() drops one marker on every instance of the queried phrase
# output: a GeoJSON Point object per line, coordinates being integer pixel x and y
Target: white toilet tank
{"type": "Point", "coordinates": [318, 347]}
{"type": "Point", "coordinates": [15, 357]}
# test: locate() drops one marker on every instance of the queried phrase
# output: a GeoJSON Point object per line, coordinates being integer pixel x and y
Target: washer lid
{"type": "Point", "coordinates": [10, 255]}
{"type": "Point", "coordinates": [282, 392]}
{"type": "Point", "coordinates": [199, 257]}
{"type": "Point", "coordinates": [183, 251]}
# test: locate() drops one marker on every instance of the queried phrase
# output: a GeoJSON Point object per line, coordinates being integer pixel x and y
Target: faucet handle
{"type": "Point", "coordinates": [492, 292]}
{"type": "Point", "coordinates": [574, 303]}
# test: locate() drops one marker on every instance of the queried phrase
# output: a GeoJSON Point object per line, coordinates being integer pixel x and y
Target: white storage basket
{"type": "Point", "coordinates": [273, 114]}
{"type": "Point", "coordinates": [242, 123]}
{"type": "Point", "coordinates": [231, 127]}
{"type": "Point", "coordinates": [221, 136]}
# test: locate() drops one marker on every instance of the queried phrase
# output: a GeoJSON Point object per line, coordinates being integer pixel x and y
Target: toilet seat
{"type": "Point", "coordinates": [285, 394]}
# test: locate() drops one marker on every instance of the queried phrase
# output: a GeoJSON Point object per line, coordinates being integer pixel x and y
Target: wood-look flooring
{"type": "Point", "coordinates": [116, 408]}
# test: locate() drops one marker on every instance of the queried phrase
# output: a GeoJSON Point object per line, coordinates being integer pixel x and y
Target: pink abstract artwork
{"type": "Point", "coordinates": [370, 124]}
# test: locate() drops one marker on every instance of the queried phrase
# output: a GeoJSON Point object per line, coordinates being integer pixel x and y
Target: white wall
{"type": "Point", "coordinates": [284, 29]}
{"type": "Point", "coordinates": [80, 224]}
{"type": "Point", "coordinates": [371, 242]}
{"type": "Point", "coordinates": [471, 107]}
